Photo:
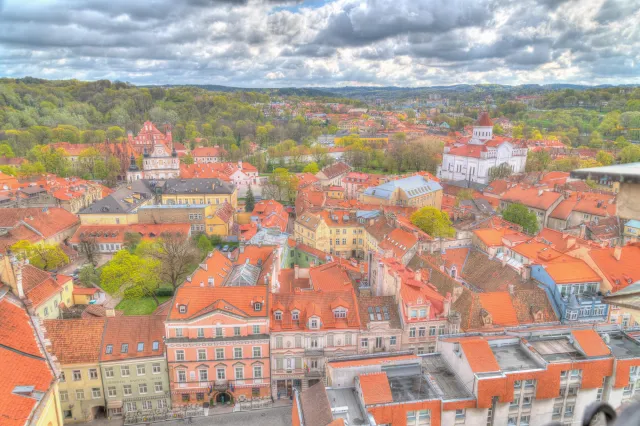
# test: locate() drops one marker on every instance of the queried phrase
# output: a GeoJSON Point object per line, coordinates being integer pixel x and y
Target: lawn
{"type": "Point", "coordinates": [142, 306]}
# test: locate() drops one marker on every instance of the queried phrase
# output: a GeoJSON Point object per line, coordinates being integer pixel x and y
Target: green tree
{"type": "Point", "coordinates": [537, 161]}
{"type": "Point", "coordinates": [176, 254]}
{"type": "Point", "coordinates": [630, 154]}
{"type": "Point", "coordinates": [131, 276]}
{"type": "Point", "coordinates": [497, 129]}
{"type": "Point", "coordinates": [131, 241]}
{"type": "Point", "coordinates": [311, 168]}
{"type": "Point", "coordinates": [500, 172]}
{"type": "Point", "coordinates": [605, 158]}
{"type": "Point", "coordinates": [249, 201]}
{"type": "Point", "coordinates": [520, 214]}
{"type": "Point", "coordinates": [434, 222]}
{"type": "Point", "coordinates": [595, 140]}
{"type": "Point", "coordinates": [89, 275]}
{"type": "Point", "coordinates": [6, 150]}
{"type": "Point", "coordinates": [115, 133]}
{"type": "Point", "coordinates": [204, 244]}
{"type": "Point", "coordinates": [43, 256]}
{"type": "Point", "coordinates": [187, 159]}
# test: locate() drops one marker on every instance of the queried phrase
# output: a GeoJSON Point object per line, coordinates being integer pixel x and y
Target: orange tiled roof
{"type": "Point", "coordinates": [375, 388]}
{"type": "Point", "coordinates": [591, 342]}
{"type": "Point", "coordinates": [210, 151]}
{"type": "Point", "coordinates": [201, 300]}
{"type": "Point", "coordinates": [48, 222]}
{"type": "Point", "coordinates": [132, 330]}
{"type": "Point", "coordinates": [399, 241]}
{"type": "Point", "coordinates": [75, 340]}
{"type": "Point", "coordinates": [493, 236]}
{"type": "Point", "coordinates": [499, 305]}
{"type": "Point", "coordinates": [479, 355]}
{"type": "Point", "coordinates": [532, 197]}
{"type": "Point", "coordinates": [39, 286]}
{"type": "Point", "coordinates": [216, 265]}
{"type": "Point", "coordinates": [330, 277]}
{"type": "Point", "coordinates": [620, 273]}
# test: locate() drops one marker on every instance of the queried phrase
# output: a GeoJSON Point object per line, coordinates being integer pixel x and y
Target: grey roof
{"type": "Point", "coordinates": [315, 407]}
{"type": "Point", "coordinates": [413, 186]}
{"type": "Point", "coordinates": [467, 184]}
{"type": "Point", "coordinates": [138, 191]}
{"type": "Point", "coordinates": [193, 186]}
{"type": "Point", "coordinates": [630, 170]}
{"type": "Point", "coordinates": [479, 205]}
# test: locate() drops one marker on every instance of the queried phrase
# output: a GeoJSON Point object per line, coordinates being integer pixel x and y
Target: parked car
{"type": "Point", "coordinates": [225, 248]}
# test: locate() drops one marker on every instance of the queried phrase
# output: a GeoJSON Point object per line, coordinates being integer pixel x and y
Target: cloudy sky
{"type": "Point", "coordinates": [275, 43]}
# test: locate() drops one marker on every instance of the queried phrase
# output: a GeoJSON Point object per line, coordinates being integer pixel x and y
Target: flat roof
{"type": "Point", "coordinates": [442, 378]}
{"type": "Point", "coordinates": [556, 350]}
{"type": "Point", "coordinates": [175, 206]}
{"type": "Point", "coordinates": [346, 398]}
{"type": "Point", "coordinates": [411, 388]}
{"type": "Point", "coordinates": [513, 357]}
{"type": "Point", "coordinates": [629, 170]}
{"type": "Point", "coordinates": [621, 345]}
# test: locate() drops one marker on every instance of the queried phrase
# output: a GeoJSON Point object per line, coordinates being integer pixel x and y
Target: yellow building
{"type": "Point", "coordinates": [334, 232]}
{"type": "Point", "coordinates": [45, 292]}
{"type": "Point", "coordinates": [414, 191]}
{"type": "Point", "coordinates": [29, 391]}
{"type": "Point", "coordinates": [75, 346]}
{"type": "Point", "coordinates": [197, 191]}
{"type": "Point", "coordinates": [120, 207]}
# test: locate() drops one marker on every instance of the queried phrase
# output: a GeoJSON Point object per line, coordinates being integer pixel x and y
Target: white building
{"type": "Point", "coordinates": [471, 159]}
{"type": "Point", "coordinates": [159, 164]}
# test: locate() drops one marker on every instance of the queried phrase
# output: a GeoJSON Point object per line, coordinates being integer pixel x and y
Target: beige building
{"type": "Point", "coordinates": [197, 191]}
{"type": "Point", "coordinates": [334, 232]}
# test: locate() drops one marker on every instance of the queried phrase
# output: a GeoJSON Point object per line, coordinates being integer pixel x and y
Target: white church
{"type": "Point", "coordinates": [471, 158]}
{"type": "Point", "coordinates": [162, 162]}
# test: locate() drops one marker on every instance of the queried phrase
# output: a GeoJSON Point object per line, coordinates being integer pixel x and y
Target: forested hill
{"type": "Point", "coordinates": [283, 91]}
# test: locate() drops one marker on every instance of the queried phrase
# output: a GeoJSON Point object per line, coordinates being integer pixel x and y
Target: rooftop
{"type": "Point", "coordinates": [441, 376]}
{"type": "Point", "coordinates": [512, 357]}
{"type": "Point", "coordinates": [556, 350]}
{"type": "Point", "coordinates": [622, 345]}
{"type": "Point", "coordinates": [615, 172]}
{"type": "Point", "coordinates": [345, 399]}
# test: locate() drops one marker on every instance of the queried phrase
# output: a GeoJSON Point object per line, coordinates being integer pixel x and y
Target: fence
{"type": "Point", "coordinates": [138, 417]}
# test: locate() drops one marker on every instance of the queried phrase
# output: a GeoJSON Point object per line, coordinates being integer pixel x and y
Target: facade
{"type": "Point", "coordinates": [334, 232]}
{"type": "Point", "coordinates": [29, 391]}
{"type": "Point", "coordinates": [133, 365]}
{"type": "Point", "coordinates": [381, 329]}
{"type": "Point", "coordinates": [160, 159]}
{"type": "Point", "coordinates": [112, 238]}
{"type": "Point", "coordinates": [270, 214]}
{"type": "Point", "coordinates": [631, 232]}
{"type": "Point", "coordinates": [414, 191]}
{"type": "Point", "coordinates": [241, 174]}
{"type": "Point", "coordinates": [307, 328]}
{"type": "Point", "coordinates": [196, 191]}
{"type": "Point", "coordinates": [210, 154]}
{"type": "Point", "coordinates": [120, 207]}
{"type": "Point", "coordinates": [75, 346]}
{"type": "Point", "coordinates": [538, 201]}
{"type": "Point", "coordinates": [333, 174]}
{"type": "Point", "coordinates": [472, 159]}
{"type": "Point", "coordinates": [37, 225]}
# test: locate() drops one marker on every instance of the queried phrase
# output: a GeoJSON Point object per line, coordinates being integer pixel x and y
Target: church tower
{"type": "Point", "coordinates": [482, 130]}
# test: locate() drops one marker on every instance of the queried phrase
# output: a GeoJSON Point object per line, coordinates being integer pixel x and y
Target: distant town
{"type": "Point", "coordinates": [176, 255]}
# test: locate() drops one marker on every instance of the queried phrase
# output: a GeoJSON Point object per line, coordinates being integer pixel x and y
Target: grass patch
{"type": "Point", "coordinates": [142, 306]}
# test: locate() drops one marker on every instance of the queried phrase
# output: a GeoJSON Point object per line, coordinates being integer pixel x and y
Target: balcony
{"type": "Point", "coordinates": [221, 385]}
{"type": "Point", "coordinates": [313, 373]}
{"type": "Point", "coordinates": [314, 351]}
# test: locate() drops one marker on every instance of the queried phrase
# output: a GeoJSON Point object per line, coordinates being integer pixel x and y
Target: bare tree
{"type": "Point", "coordinates": [176, 252]}
{"type": "Point", "coordinates": [89, 246]}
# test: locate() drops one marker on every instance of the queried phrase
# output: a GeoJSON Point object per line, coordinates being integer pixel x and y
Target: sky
{"type": "Point", "coordinates": [280, 43]}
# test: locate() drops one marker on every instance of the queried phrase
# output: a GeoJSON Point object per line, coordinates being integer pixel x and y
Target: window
{"type": "Point", "coordinates": [142, 387]}
{"type": "Point", "coordinates": [62, 378]}
{"type": "Point", "coordinates": [219, 332]}
{"type": "Point", "coordinates": [278, 315]}
{"type": "Point", "coordinates": [236, 331]}
{"type": "Point", "coordinates": [257, 372]}
{"type": "Point", "coordinates": [526, 401]}
{"type": "Point", "coordinates": [237, 353]}
{"type": "Point", "coordinates": [158, 386]}
{"type": "Point", "coordinates": [524, 420]}
{"type": "Point", "coordinates": [257, 352]}
{"type": "Point", "coordinates": [529, 383]}
{"type": "Point", "coordinates": [111, 392]}
{"type": "Point", "coordinates": [576, 374]}
{"type": "Point", "coordinates": [124, 370]}
{"type": "Point", "coordinates": [93, 373]}
{"type": "Point", "coordinates": [155, 345]}
{"type": "Point", "coordinates": [140, 370]}
{"type": "Point", "coordinates": [239, 373]}
{"type": "Point", "coordinates": [340, 313]}
{"type": "Point", "coordinates": [67, 414]}
{"type": "Point", "coordinates": [109, 349]}
{"type": "Point", "coordinates": [131, 406]}
{"type": "Point", "coordinates": [573, 391]}
{"type": "Point", "coordinates": [422, 332]}
{"type": "Point", "coordinates": [64, 396]}
{"type": "Point", "coordinates": [432, 331]}
{"type": "Point", "coordinates": [179, 332]}
{"type": "Point", "coordinates": [221, 374]}
{"type": "Point", "coordinates": [515, 403]}
{"type": "Point", "coordinates": [179, 355]}
{"type": "Point", "coordinates": [517, 384]}
{"type": "Point", "coordinates": [568, 411]}
{"type": "Point", "coordinates": [364, 343]}
{"type": "Point", "coordinates": [219, 353]}
{"type": "Point", "coordinates": [77, 376]}
{"type": "Point", "coordinates": [563, 374]}
{"type": "Point", "coordinates": [347, 339]}
{"type": "Point", "coordinates": [392, 341]}
{"type": "Point", "coordinates": [412, 332]}
{"type": "Point", "coordinates": [460, 414]}
{"type": "Point", "coordinates": [79, 394]}
{"type": "Point", "coordinates": [124, 348]}
{"type": "Point", "coordinates": [95, 393]}
{"type": "Point", "coordinates": [162, 403]}
{"type": "Point", "coordinates": [203, 375]}
{"type": "Point", "coordinates": [314, 323]}
{"type": "Point", "coordinates": [202, 354]}
{"type": "Point", "coordinates": [257, 306]}
{"type": "Point", "coordinates": [155, 368]}
{"type": "Point", "coordinates": [423, 313]}
{"type": "Point", "coordinates": [182, 376]}
{"type": "Point", "coordinates": [140, 347]}
{"type": "Point", "coordinates": [295, 316]}
{"type": "Point", "coordinates": [147, 405]}
{"type": "Point", "coordinates": [108, 372]}
{"type": "Point", "coordinates": [256, 329]}
{"type": "Point", "coordinates": [200, 332]}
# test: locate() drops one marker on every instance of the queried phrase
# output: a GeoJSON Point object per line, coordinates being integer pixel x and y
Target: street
{"type": "Point", "coordinates": [280, 416]}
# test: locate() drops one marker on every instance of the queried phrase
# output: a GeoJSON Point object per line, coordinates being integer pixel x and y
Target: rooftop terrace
{"type": "Point", "coordinates": [344, 404]}
{"type": "Point", "coordinates": [513, 357]}
{"type": "Point", "coordinates": [621, 345]}
{"type": "Point", "coordinates": [442, 379]}
{"type": "Point", "coordinates": [556, 350]}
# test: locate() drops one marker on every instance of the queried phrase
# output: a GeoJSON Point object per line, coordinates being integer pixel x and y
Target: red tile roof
{"type": "Point", "coordinates": [271, 214]}
{"type": "Point", "coordinates": [210, 151]}
{"type": "Point", "coordinates": [375, 388]}
{"type": "Point", "coordinates": [39, 286]}
{"type": "Point", "coordinates": [532, 197]}
{"type": "Point", "coordinates": [75, 341]}
{"type": "Point", "coordinates": [479, 355]}
{"type": "Point", "coordinates": [484, 120]}
{"type": "Point", "coordinates": [202, 300]}
{"type": "Point", "coordinates": [330, 277]}
{"type": "Point", "coordinates": [399, 241]}
{"type": "Point", "coordinates": [132, 330]}
{"type": "Point", "coordinates": [499, 305]}
{"type": "Point", "coordinates": [44, 223]}
{"type": "Point", "coordinates": [591, 342]}
{"type": "Point", "coordinates": [619, 273]}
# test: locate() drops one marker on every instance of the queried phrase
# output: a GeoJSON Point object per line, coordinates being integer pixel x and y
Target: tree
{"type": "Point", "coordinates": [43, 256]}
{"type": "Point", "coordinates": [204, 244]}
{"type": "Point", "coordinates": [89, 246]}
{"type": "Point", "coordinates": [89, 275]}
{"type": "Point", "coordinates": [131, 240]}
{"type": "Point", "coordinates": [519, 214]}
{"type": "Point", "coordinates": [434, 222]}
{"type": "Point", "coordinates": [497, 129]}
{"type": "Point", "coordinates": [537, 161]}
{"type": "Point", "coordinates": [464, 194]}
{"type": "Point", "coordinates": [500, 172]}
{"type": "Point", "coordinates": [630, 154]}
{"type": "Point", "coordinates": [187, 159]}
{"type": "Point", "coordinates": [6, 150]}
{"type": "Point", "coordinates": [250, 201]}
{"type": "Point", "coordinates": [311, 168]}
{"type": "Point", "coordinates": [595, 141]}
{"type": "Point", "coordinates": [131, 276]}
{"type": "Point", "coordinates": [604, 158]}
{"type": "Point", "coordinates": [175, 254]}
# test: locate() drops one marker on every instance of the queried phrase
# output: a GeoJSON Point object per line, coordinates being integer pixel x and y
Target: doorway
{"type": "Point", "coordinates": [223, 397]}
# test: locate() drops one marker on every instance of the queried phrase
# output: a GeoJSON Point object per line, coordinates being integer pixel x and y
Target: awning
{"type": "Point", "coordinates": [114, 404]}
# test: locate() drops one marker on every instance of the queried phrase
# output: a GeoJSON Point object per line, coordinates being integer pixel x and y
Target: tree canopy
{"type": "Point", "coordinates": [520, 214]}
{"type": "Point", "coordinates": [434, 222]}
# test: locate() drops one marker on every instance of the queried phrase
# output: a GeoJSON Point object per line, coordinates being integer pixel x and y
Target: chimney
{"type": "Point", "coordinates": [296, 271]}
{"type": "Point", "coordinates": [241, 247]}
{"type": "Point", "coordinates": [571, 241]}
{"type": "Point", "coordinates": [418, 275]}
{"type": "Point", "coordinates": [18, 265]}
{"type": "Point", "coordinates": [446, 306]}
{"type": "Point", "coordinates": [240, 164]}
{"type": "Point", "coordinates": [617, 252]}
{"type": "Point", "coordinates": [512, 289]}
{"type": "Point", "coordinates": [540, 191]}
{"type": "Point", "coordinates": [110, 312]}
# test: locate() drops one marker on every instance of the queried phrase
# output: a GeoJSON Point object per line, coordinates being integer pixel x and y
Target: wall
{"type": "Point", "coordinates": [108, 219]}
{"type": "Point", "coordinates": [48, 412]}
{"type": "Point", "coordinates": [82, 410]}
{"type": "Point", "coordinates": [628, 201]}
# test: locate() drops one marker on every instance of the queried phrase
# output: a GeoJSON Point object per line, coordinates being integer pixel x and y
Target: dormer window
{"type": "Point", "coordinates": [278, 315]}
{"type": "Point", "coordinates": [257, 306]}
{"type": "Point", "coordinates": [314, 323]}
{"type": "Point", "coordinates": [295, 316]}
{"type": "Point", "coordinates": [210, 281]}
{"type": "Point", "coordinates": [182, 309]}
{"type": "Point", "coordinates": [340, 313]}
